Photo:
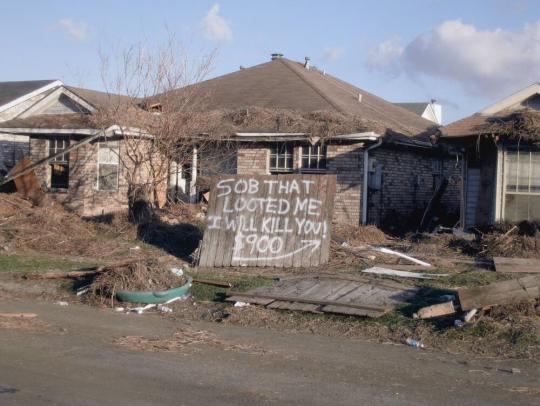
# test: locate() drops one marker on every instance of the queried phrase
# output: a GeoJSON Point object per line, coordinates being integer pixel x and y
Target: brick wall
{"type": "Point", "coordinates": [344, 160]}
{"type": "Point", "coordinates": [82, 195]}
{"type": "Point", "coordinates": [409, 178]}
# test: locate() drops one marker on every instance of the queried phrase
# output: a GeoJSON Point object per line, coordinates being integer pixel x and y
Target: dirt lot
{"type": "Point", "coordinates": [71, 243]}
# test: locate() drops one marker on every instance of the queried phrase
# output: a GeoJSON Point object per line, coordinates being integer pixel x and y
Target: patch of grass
{"type": "Point", "coordinates": [214, 293]}
{"type": "Point", "coordinates": [20, 263]}
{"type": "Point", "coordinates": [469, 278]}
{"type": "Point", "coordinates": [519, 338]}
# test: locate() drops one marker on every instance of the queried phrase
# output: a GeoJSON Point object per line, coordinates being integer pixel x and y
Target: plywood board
{"type": "Point", "coordinates": [517, 265]}
{"type": "Point", "coordinates": [500, 293]}
{"type": "Point", "coordinates": [268, 220]}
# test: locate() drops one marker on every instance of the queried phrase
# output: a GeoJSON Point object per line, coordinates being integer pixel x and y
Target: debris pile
{"type": "Point", "coordinates": [149, 275]}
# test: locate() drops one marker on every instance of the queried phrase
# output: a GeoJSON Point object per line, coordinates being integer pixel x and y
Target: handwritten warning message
{"type": "Point", "coordinates": [275, 220]}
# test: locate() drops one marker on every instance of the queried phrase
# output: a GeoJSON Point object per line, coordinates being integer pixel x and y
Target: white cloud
{"type": "Point", "coordinates": [215, 27]}
{"type": "Point", "coordinates": [77, 31]}
{"type": "Point", "coordinates": [487, 62]}
{"type": "Point", "coordinates": [333, 54]}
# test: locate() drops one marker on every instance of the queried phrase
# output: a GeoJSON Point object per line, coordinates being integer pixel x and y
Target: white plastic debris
{"type": "Point", "coordinates": [119, 309]}
{"type": "Point", "coordinates": [241, 304]}
{"type": "Point", "coordinates": [81, 291]}
{"type": "Point", "coordinates": [414, 343]}
{"type": "Point", "coordinates": [142, 309]}
{"type": "Point", "coordinates": [401, 255]}
{"type": "Point", "coordinates": [164, 309]}
{"type": "Point", "coordinates": [470, 314]}
{"type": "Point", "coordinates": [404, 274]}
{"type": "Point", "coordinates": [135, 248]}
{"type": "Point", "coordinates": [177, 271]}
{"type": "Point", "coordinates": [61, 303]}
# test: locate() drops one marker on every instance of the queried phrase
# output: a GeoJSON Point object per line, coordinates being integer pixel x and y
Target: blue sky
{"type": "Point", "coordinates": [465, 54]}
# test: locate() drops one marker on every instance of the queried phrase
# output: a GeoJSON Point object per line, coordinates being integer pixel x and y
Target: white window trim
{"type": "Point", "coordinates": [278, 169]}
{"type": "Point", "coordinates": [117, 170]}
{"type": "Point", "coordinates": [319, 156]}
{"type": "Point", "coordinates": [504, 181]}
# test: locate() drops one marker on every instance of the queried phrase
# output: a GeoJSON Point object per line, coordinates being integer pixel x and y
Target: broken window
{"type": "Point", "coordinates": [59, 165]}
{"type": "Point", "coordinates": [108, 163]}
{"type": "Point", "coordinates": [522, 184]}
{"type": "Point", "coordinates": [281, 158]}
{"type": "Point", "coordinates": [313, 158]}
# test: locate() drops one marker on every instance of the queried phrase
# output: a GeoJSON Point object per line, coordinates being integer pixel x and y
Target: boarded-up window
{"type": "Point", "coordinates": [313, 158]}
{"type": "Point", "coordinates": [281, 158]}
{"type": "Point", "coordinates": [522, 184]}
{"type": "Point", "coordinates": [59, 165]}
{"type": "Point", "coordinates": [108, 159]}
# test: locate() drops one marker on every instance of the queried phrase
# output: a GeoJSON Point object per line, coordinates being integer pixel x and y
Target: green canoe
{"type": "Point", "coordinates": [155, 297]}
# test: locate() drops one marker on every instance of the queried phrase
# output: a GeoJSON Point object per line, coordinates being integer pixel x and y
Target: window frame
{"type": "Point", "coordinates": [62, 160]}
{"type": "Point", "coordinates": [320, 155]}
{"type": "Point", "coordinates": [286, 155]}
{"type": "Point", "coordinates": [514, 181]}
{"type": "Point", "coordinates": [98, 164]}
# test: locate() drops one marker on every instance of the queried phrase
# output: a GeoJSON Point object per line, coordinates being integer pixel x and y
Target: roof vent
{"type": "Point", "coordinates": [306, 63]}
{"type": "Point", "coordinates": [276, 56]}
{"type": "Point", "coordinates": [360, 97]}
{"type": "Point", "coordinates": [242, 67]}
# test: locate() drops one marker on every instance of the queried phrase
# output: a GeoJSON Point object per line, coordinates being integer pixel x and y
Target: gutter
{"type": "Point", "coordinates": [366, 173]}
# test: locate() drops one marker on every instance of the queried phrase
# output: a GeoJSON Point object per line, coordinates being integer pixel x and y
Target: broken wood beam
{"type": "Point", "coordinates": [500, 293]}
{"type": "Point", "coordinates": [213, 283]}
{"type": "Point", "coordinates": [309, 301]}
{"type": "Point", "coordinates": [19, 315]}
{"type": "Point", "coordinates": [79, 274]}
{"type": "Point", "coordinates": [436, 310]}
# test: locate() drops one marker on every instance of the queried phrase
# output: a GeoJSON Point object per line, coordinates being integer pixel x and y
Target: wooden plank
{"type": "Point", "coordinates": [205, 255]}
{"type": "Point", "coordinates": [500, 293]}
{"type": "Point", "coordinates": [436, 310]}
{"type": "Point", "coordinates": [328, 210]}
{"type": "Point", "coordinates": [517, 265]}
{"type": "Point", "coordinates": [353, 311]}
{"type": "Point", "coordinates": [310, 301]}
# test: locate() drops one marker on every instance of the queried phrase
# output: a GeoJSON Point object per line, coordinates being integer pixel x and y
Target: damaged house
{"type": "Point", "coordinates": [284, 117]}
{"type": "Point", "coordinates": [501, 149]}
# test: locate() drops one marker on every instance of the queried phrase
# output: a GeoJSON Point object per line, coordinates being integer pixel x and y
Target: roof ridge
{"type": "Point", "coordinates": [311, 85]}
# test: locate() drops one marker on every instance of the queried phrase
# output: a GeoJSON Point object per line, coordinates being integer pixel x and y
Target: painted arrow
{"type": "Point", "coordinates": [307, 243]}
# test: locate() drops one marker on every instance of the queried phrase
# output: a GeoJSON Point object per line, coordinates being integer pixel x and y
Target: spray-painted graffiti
{"type": "Point", "coordinates": [269, 221]}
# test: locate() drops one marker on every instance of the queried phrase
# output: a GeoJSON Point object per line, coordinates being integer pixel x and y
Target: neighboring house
{"type": "Point", "coordinates": [15, 99]}
{"type": "Point", "coordinates": [90, 178]}
{"type": "Point", "coordinates": [385, 172]}
{"type": "Point", "coordinates": [431, 111]}
{"type": "Point", "coordinates": [501, 148]}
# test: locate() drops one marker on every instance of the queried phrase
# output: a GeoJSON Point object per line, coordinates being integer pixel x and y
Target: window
{"type": "Point", "coordinates": [313, 158]}
{"type": "Point", "coordinates": [59, 165]}
{"type": "Point", "coordinates": [108, 160]}
{"type": "Point", "coordinates": [281, 158]}
{"type": "Point", "coordinates": [522, 184]}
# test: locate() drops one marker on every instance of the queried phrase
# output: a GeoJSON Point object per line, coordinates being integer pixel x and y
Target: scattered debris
{"type": "Point", "coordinates": [61, 303]}
{"type": "Point", "coordinates": [401, 255]}
{"type": "Point", "coordinates": [81, 274]}
{"type": "Point", "coordinates": [500, 293]}
{"type": "Point", "coordinates": [21, 321]}
{"type": "Point", "coordinates": [184, 339]}
{"type": "Point", "coordinates": [403, 274]}
{"type": "Point", "coordinates": [469, 315]}
{"type": "Point", "coordinates": [517, 265]}
{"type": "Point", "coordinates": [510, 370]}
{"type": "Point", "coordinates": [241, 304]}
{"type": "Point", "coordinates": [436, 310]}
{"type": "Point", "coordinates": [213, 283]}
{"type": "Point", "coordinates": [413, 343]}
{"type": "Point", "coordinates": [141, 309]}
{"type": "Point", "coordinates": [164, 309]}
{"type": "Point", "coordinates": [362, 297]}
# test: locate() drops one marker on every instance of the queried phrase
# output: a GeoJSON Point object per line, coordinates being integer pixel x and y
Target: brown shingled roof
{"type": "Point", "coordinates": [101, 100]}
{"type": "Point", "coordinates": [472, 125]}
{"type": "Point", "coordinates": [286, 85]}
